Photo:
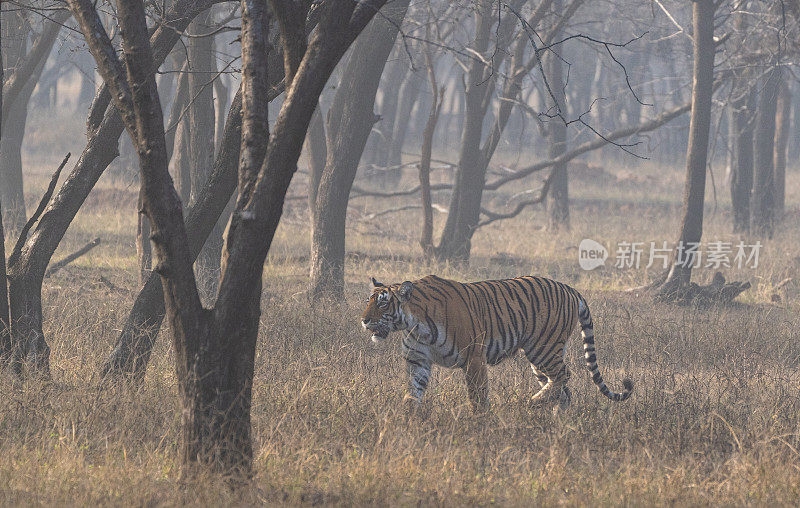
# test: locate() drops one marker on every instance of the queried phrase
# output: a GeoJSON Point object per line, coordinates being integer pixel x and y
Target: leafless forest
{"type": "Point", "coordinates": [195, 194]}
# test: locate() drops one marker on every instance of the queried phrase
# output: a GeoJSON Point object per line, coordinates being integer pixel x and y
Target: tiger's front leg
{"type": "Point", "coordinates": [418, 368]}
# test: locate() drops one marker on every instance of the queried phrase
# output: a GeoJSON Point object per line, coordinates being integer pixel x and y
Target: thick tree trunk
{"type": "Point", "coordinates": [215, 348]}
{"type": "Point", "coordinates": [763, 200]}
{"type": "Point", "coordinates": [131, 353]}
{"type": "Point", "coordinates": [201, 141]}
{"type": "Point", "coordinates": [741, 139]}
{"type": "Point", "coordinates": [783, 113]}
{"type": "Point", "coordinates": [697, 153]}
{"type": "Point", "coordinates": [350, 120]}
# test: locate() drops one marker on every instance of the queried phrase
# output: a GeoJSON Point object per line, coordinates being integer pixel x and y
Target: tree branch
{"type": "Point", "coordinates": [23, 234]}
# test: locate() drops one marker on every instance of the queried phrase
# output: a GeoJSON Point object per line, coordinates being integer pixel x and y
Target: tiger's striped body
{"type": "Point", "coordinates": [472, 325]}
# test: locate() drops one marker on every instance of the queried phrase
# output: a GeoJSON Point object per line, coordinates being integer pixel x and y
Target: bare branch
{"type": "Point", "coordinates": [105, 55]}
{"type": "Point", "coordinates": [23, 234]}
{"type": "Point", "coordinates": [495, 216]}
{"type": "Point", "coordinates": [72, 257]}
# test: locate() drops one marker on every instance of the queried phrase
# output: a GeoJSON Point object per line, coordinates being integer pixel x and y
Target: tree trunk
{"type": "Point", "coordinates": [317, 154]}
{"type": "Point", "coordinates": [201, 141]}
{"type": "Point", "coordinates": [763, 200]}
{"type": "Point", "coordinates": [784, 109]}
{"type": "Point", "coordinates": [409, 93]}
{"type": "Point", "coordinates": [131, 353]}
{"type": "Point", "coordinates": [426, 238]}
{"type": "Point", "coordinates": [28, 65]}
{"type": "Point", "coordinates": [104, 129]}
{"type": "Point", "coordinates": [470, 176]}
{"type": "Point", "coordinates": [388, 110]}
{"type": "Point", "coordinates": [12, 187]}
{"type": "Point", "coordinates": [143, 250]}
{"type": "Point", "coordinates": [558, 193]}
{"type": "Point", "coordinates": [5, 335]}
{"type": "Point", "coordinates": [350, 120]}
{"type": "Point", "coordinates": [741, 139]}
{"type": "Point", "coordinates": [697, 153]}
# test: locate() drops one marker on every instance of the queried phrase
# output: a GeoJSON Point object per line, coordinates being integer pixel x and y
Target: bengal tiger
{"type": "Point", "coordinates": [470, 325]}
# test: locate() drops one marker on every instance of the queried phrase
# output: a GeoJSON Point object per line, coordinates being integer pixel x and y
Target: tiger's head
{"type": "Point", "coordinates": [384, 312]}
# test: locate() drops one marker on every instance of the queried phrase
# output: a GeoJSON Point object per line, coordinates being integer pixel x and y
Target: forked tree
{"type": "Point", "coordinates": [28, 261]}
{"type": "Point", "coordinates": [215, 347]}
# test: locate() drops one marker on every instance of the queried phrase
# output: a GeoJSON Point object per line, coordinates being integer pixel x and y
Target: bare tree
{"type": "Point", "coordinates": [25, 67]}
{"type": "Point", "coordinates": [437, 98]}
{"type": "Point", "coordinates": [476, 151]}
{"type": "Point", "coordinates": [28, 264]}
{"type": "Point", "coordinates": [350, 120]}
{"type": "Point", "coordinates": [691, 229]}
{"type": "Point", "coordinates": [215, 348]}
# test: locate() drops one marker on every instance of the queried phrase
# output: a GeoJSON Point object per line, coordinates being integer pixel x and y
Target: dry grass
{"type": "Point", "coordinates": [713, 420]}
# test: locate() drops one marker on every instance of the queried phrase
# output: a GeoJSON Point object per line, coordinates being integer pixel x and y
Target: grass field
{"type": "Point", "coordinates": [714, 418]}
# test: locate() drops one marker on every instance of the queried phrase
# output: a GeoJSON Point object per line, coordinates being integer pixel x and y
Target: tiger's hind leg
{"type": "Point", "coordinates": [540, 377]}
{"type": "Point", "coordinates": [556, 374]}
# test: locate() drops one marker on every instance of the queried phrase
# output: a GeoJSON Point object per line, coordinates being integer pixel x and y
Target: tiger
{"type": "Point", "coordinates": [476, 324]}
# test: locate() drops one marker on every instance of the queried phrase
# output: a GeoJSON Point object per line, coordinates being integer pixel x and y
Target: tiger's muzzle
{"type": "Point", "coordinates": [379, 329]}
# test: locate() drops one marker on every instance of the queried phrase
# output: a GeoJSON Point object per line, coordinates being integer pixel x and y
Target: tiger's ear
{"type": "Point", "coordinates": [404, 293]}
{"type": "Point", "coordinates": [374, 283]}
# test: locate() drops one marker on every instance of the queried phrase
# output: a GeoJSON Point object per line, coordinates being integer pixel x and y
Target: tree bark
{"type": "Point", "coordinates": [558, 193]}
{"type": "Point", "coordinates": [131, 353]}
{"type": "Point", "coordinates": [12, 188]}
{"type": "Point", "coordinates": [104, 127]}
{"type": "Point", "coordinates": [143, 249]}
{"type": "Point", "coordinates": [697, 153]}
{"type": "Point", "coordinates": [5, 335]}
{"type": "Point", "coordinates": [350, 120]}
{"type": "Point", "coordinates": [426, 238]}
{"type": "Point", "coordinates": [317, 154]}
{"type": "Point", "coordinates": [201, 140]}
{"type": "Point", "coordinates": [409, 93]}
{"type": "Point", "coordinates": [18, 91]}
{"type": "Point", "coordinates": [388, 110]}
{"type": "Point", "coordinates": [741, 139]}
{"type": "Point", "coordinates": [470, 176]}
{"type": "Point", "coordinates": [763, 200]}
{"type": "Point", "coordinates": [783, 113]}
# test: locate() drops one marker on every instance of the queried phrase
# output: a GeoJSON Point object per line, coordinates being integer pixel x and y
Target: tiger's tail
{"type": "Point", "coordinates": [587, 331]}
